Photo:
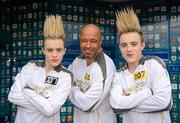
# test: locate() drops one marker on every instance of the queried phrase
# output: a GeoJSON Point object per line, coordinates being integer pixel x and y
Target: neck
{"type": "Point", "coordinates": [89, 61]}
{"type": "Point", "coordinates": [132, 67]}
{"type": "Point", "coordinates": [48, 68]}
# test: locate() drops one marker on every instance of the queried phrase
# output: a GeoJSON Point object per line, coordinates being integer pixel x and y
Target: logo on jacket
{"type": "Point", "coordinates": [51, 80]}
{"type": "Point", "coordinates": [87, 76]}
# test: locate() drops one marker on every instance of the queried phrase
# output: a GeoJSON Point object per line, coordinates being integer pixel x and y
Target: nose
{"type": "Point", "coordinates": [129, 48]}
{"type": "Point", "coordinates": [88, 44]}
{"type": "Point", "coordinates": [54, 54]}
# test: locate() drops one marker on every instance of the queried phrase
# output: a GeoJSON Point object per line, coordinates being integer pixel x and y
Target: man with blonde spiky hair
{"type": "Point", "coordinates": [42, 87]}
{"type": "Point", "coordinates": [141, 89]}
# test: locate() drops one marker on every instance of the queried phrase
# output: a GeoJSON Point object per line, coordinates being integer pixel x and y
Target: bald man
{"type": "Point", "coordinates": [93, 73]}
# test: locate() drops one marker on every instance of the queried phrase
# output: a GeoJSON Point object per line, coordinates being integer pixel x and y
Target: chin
{"type": "Point", "coordinates": [130, 61]}
{"type": "Point", "coordinates": [55, 65]}
{"type": "Point", "coordinates": [87, 56]}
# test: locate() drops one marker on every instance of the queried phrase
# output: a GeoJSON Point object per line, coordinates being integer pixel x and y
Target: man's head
{"type": "Point", "coordinates": [130, 38]}
{"type": "Point", "coordinates": [53, 44]}
{"type": "Point", "coordinates": [90, 42]}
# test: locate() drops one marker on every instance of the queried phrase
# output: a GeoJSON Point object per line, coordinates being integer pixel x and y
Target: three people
{"type": "Point", "coordinates": [141, 89]}
{"type": "Point", "coordinates": [93, 73]}
{"type": "Point", "coordinates": [42, 87]}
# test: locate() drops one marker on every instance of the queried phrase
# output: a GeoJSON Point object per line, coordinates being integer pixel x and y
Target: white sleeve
{"type": "Point", "coordinates": [86, 100]}
{"type": "Point", "coordinates": [16, 95]}
{"type": "Point", "coordinates": [49, 106]}
{"type": "Point", "coordinates": [120, 102]}
{"type": "Point", "coordinates": [161, 98]}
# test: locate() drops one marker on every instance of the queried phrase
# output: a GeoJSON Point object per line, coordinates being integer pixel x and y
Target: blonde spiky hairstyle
{"type": "Point", "coordinates": [127, 21]}
{"type": "Point", "coordinates": [53, 27]}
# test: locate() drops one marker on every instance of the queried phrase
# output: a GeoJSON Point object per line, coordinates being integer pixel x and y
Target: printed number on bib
{"type": "Point", "coordinates": [140, 75]}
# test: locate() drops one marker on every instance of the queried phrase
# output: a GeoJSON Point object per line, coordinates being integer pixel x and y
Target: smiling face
{"type": "Point", "coordinates": [131, 46]}
{"type": "Point", "coordinates": [90, 42]}
{"type": "Point", "coordinates": [54, 51]}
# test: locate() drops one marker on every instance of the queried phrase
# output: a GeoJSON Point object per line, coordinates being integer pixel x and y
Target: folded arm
{"type": "Point", "coordinates": [122, 102]}
{"type": "Point", "coordinates": [15, 95]}
{"type": "Point", "coordinates": [49, 106]}
{"type": "Point", "coordinates": [161, 98]}
{"type": "Point", "coordinates": [86, 100]}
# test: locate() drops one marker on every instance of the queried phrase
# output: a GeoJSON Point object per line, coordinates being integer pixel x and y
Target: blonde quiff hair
{"type": "Point", "coordinates": [53, 27]}
{"type": "Point", "coordinates": [127, 21]}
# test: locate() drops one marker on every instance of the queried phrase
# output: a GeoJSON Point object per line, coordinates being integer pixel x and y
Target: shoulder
{"type": "Point", "coordinates": [155, 60]}
{"type": "Point", "coordinates": [106, 63]}
{"type": "Point", "coordinates": [78, 59]}
{"type": "Point", "coordinates": [38, 63]}
{"type": "Point", "coordinates": [122, 69]}
{"type": "Point", "coordinates": [108, 59]}
{"type": "Point", "coordinates": [66, 71]}
{"type": "Point", "coordinates": [32, 65]}
{"type": "Point", "coordinates": [67, 74]}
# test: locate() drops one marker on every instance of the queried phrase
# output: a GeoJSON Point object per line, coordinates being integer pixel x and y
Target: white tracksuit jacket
{"type": "Point", "coordinates": [42, 102]}
{"type": "Point", "coordinates": [93, 106]}
{"type": "Point", "coordinates": [150, 92]}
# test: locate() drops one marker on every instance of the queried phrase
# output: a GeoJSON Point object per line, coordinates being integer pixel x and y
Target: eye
{"type": "Point", "coordinates": [134, 44]}
{"type": "Point", "coordinates": [93, 41]}
{"type": "Point", "coordinates": [122, 45]}
{"type": "Point", "coordinates": [83, 41]}
{"type": "Point", "coordinates": [59, 49]}
{"type": "Point", "coordinates": [49, 50]}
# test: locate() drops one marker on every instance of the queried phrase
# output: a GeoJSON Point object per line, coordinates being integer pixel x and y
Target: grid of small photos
{"type": "Point", "coordinates": [27, 26]}
{"type": "Point", "coordinates": [154, 23]}
{"type": "Point", "coordinates": [4, 63]}
{"type": "Point", "coordinates": [75, 16]}
{"type": "Point", "coordinates": [175, 60]}
{"type": "Point", "coordinates": [5, 84]}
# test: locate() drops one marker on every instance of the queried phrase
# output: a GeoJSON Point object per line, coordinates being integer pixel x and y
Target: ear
{"type": "Point", "coordinates": [100, 39]}
{"type": "Point", "coordinates": [143, 45]}
{"type": "Point", "coordinates": [64, 51]}
{"type": "Point", "coordinates": [101, 42]}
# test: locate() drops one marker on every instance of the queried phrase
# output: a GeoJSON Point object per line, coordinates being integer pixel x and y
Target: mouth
{"type": "Point", "coordinates": [54, 60]}
{"type": "Point", "coordinates": [129, 55]}
{"type": "Point", "coordinates": [88, 52]}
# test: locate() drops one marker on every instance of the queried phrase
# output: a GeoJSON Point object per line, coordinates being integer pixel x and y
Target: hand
{"type": "Point", "coordinates": [39, 89]}
{"type": "Point", "coordinates": [83, 85]}
{"type": "Point", "coordinates": [125, 93]}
